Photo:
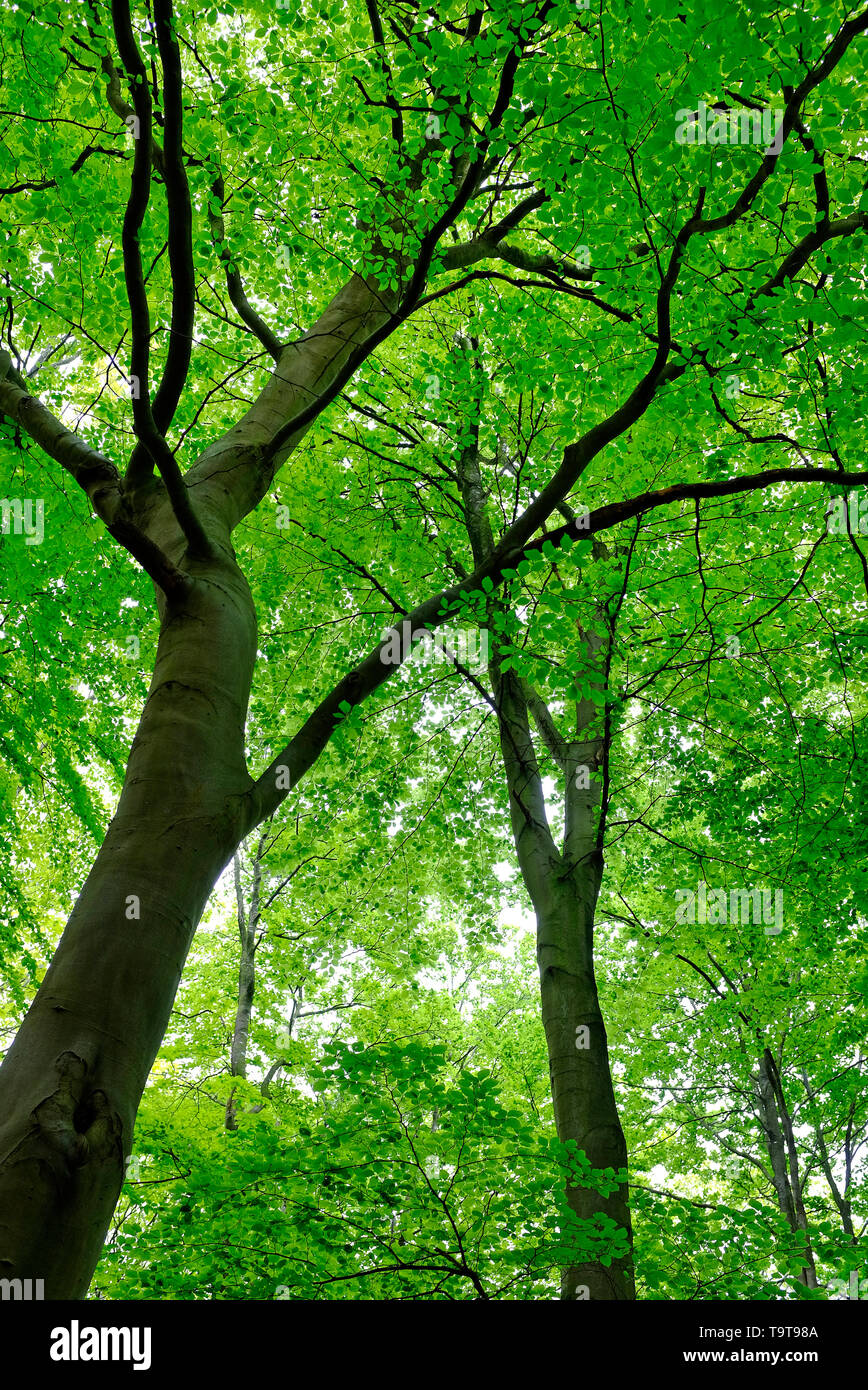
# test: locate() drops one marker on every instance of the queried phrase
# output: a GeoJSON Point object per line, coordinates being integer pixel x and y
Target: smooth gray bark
{"type": "Point", "coordinates": [72, 1080]}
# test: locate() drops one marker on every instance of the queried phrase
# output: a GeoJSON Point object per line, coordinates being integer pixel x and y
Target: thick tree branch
{"type": "Point", "coordinates": [372, 672]}
{"type": "Point", "coordinates": [833, 55]}
{"type": "Point", "coordinates": [96, 475]}
{"type": "Point", "coordinates": [152, 444]}
{"type": "Point", "coordinates": [180, 224]}
{"type": "Point", "coordinates": [234, 284]}
{"type": "Point", "coordinates": [391, 101]}
{"type": "Point", "coordinates": [604, 518]}
{"type": "Point", "coordinates": [294, 427]}
{"type": "Point", "coordinates": [548, 730]}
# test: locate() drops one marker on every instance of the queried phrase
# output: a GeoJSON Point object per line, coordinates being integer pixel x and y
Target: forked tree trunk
{"type": "Point", "coordinates": [563, 889]}
{"type": "Point", "coordinates": [72, 1080]}
{"type": "Point", "coordinates": [783, 1155]}
{"type": "Point", "coordinates": [71, 1083]}
{"type": "Point", "coordinates": [563, 886]}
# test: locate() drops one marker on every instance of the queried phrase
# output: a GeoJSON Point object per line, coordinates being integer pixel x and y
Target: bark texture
{"type": "Point", "coordinates": [72, 1080]}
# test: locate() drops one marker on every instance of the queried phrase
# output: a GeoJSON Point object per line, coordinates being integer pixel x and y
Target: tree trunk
{"type": "Point", "coordinates": [581, 1080]}
{"type": "Point", "coordinates": [71, 1083]}
{"type": "Point", "coordinates": [247, 925]}
{"type": "Point", "coordinates": [781, 1149]}
{"type": "Point", "coordinates": [809, 1273]}
{"type": "Point", "coordinates": [563, 887]}
{"type": "Point", "coordinates": [841, 1199]}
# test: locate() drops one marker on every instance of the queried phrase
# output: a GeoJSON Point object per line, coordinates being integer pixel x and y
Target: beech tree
{"type": "Point", "coordinates": [346, 271]}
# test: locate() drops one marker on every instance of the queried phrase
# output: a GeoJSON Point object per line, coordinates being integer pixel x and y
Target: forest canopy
{"type": "Point", "coordinates": [432, 650]}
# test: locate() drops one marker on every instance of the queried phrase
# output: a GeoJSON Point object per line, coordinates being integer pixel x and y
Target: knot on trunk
{"type": "Point", "coordinates": [76, 1122]}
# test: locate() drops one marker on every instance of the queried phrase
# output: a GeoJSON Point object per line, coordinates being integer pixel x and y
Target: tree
{"type": "Point", "coordinates": [466, 147]}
